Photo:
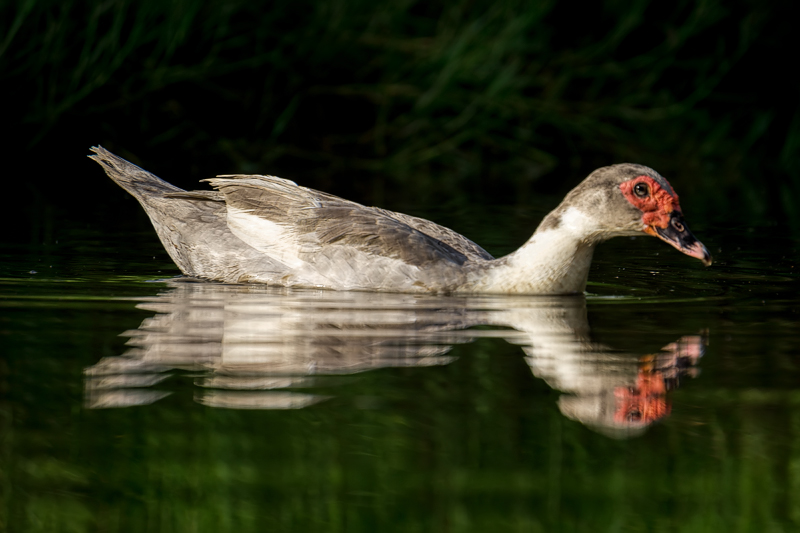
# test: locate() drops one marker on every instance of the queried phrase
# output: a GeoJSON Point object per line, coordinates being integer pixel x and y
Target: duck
{"type": "Point", "coordinates": [269, 230]}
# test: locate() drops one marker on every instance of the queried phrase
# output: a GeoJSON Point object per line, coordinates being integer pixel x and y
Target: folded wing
{"type": "Point", "coordinates": [296, 224]}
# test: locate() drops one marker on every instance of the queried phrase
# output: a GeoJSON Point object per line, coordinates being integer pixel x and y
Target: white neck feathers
{"type": "Point", "coordinates": [555, 260]}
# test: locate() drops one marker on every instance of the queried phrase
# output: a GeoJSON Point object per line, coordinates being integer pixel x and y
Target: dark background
{"type": "Point", "coordinates": [409, 105]}
{"type": "Point", "coordinates": [402, 102]}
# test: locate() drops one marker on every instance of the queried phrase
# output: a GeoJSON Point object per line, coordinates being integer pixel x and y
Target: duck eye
{"type": "Point", "coordinates": [677, 225]}
{"type": "Point", "coordinates": [641, 190]}
{"type": "Point", "coordinates": [634, 415]}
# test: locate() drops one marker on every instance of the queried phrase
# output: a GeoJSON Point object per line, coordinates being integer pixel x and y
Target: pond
{"type": "Point", "coordinates": [664, 400]}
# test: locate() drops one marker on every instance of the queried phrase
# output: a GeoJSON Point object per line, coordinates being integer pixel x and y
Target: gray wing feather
{"type": "Point", "coordinates": [330, 220]}
{"type": "Point", "coordinates": [205, 196]}
{"type": "Point", "coordinates": [445, 235]}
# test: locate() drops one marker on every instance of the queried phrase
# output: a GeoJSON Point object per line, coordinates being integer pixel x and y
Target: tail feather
{"type": "Point", "coordinates": [140, 183]}
{"type": "Point", "coordinates": [184, 224]}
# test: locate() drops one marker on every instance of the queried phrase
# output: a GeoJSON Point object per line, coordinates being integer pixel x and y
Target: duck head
{"type": "Point", "coordinates": [628, 199]}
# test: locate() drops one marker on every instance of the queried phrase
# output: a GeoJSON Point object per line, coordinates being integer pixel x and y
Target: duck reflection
{"type": "Point", "coordinates": [253, 347]}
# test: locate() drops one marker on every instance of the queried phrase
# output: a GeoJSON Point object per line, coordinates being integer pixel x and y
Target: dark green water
{"type": "Point", "coordinates": [666, 400]}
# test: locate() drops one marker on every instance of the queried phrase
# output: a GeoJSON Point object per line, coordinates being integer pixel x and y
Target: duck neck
{"type": "Point", "coordinates": [555, 260]}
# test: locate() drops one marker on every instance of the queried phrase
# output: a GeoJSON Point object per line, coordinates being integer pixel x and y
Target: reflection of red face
{"type": "Point", "coordinates": [643, 404]}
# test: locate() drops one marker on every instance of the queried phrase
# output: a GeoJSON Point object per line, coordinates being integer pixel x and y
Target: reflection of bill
{"type": "Point", "coordinates": [253, 348]}
{"type": "Point", "coordinates": [646, 401]}
{"type": "Point", "coordinates": [628, 409]}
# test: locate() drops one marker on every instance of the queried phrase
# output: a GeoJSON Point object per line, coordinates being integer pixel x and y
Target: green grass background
{"type": "Point", "coordinates": [493, 101]}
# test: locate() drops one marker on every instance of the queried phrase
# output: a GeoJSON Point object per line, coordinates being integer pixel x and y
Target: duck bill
{"type": "Point", "coordinates": [678, 235]}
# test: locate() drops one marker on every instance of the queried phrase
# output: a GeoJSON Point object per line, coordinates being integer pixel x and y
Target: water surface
{"type": "Point", "coordinates": [664, 400]}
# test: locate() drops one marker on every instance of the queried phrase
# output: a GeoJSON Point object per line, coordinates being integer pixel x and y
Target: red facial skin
{"type": "Point", "coordinates": [656, 206]}
{"type": "Point", "coordinates": [659, 209]}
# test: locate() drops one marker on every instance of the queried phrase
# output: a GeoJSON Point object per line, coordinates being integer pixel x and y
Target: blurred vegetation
{"type": "Point", "coordinates": [480, 99]}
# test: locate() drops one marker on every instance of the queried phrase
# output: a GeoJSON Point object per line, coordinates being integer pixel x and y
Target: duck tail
{"type": "Point", "coordinates": [141, 184]}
